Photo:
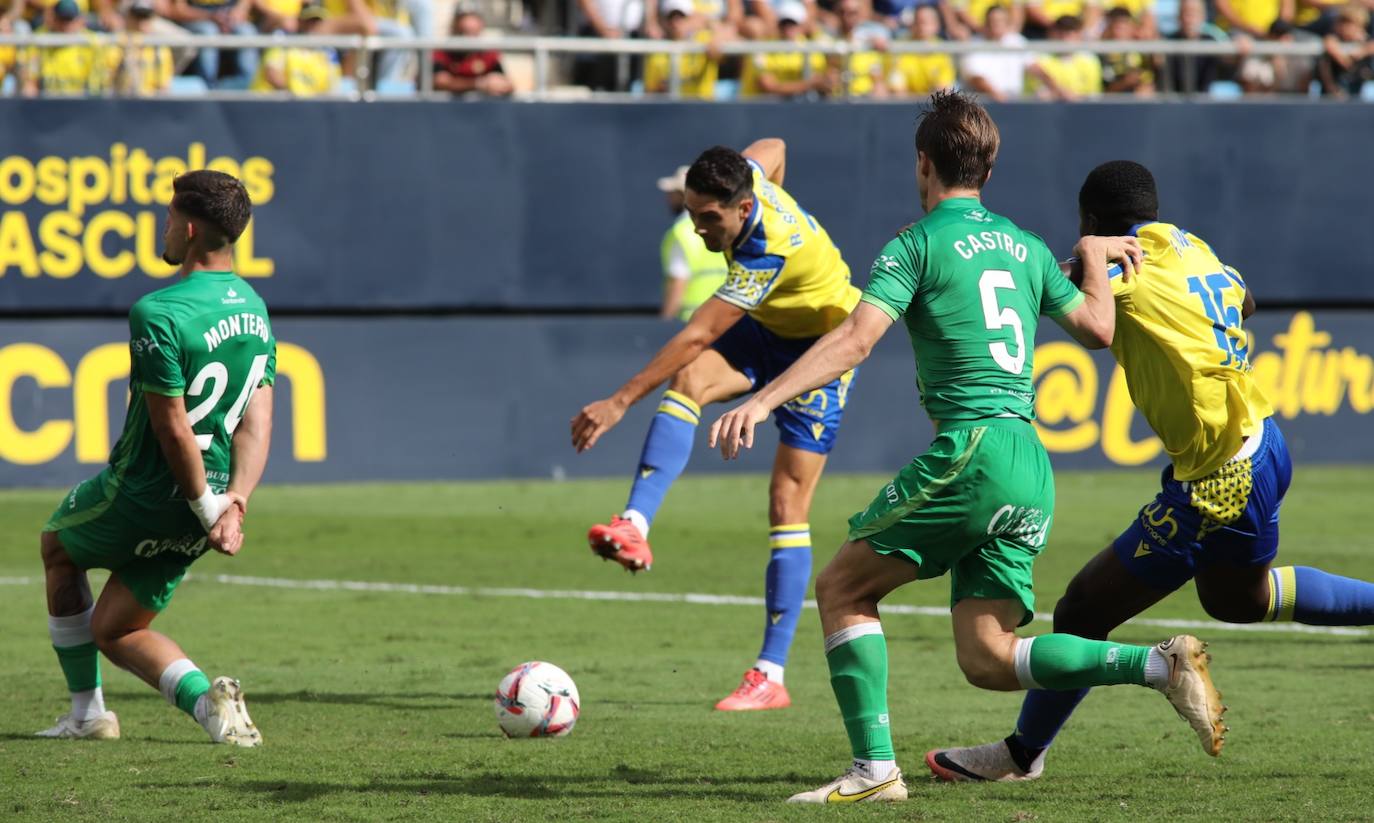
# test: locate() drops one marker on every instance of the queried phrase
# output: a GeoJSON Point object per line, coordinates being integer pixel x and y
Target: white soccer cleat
{"type": "Point", "coordinates": [226, 715]}
{"type": "Point", "coordinates": [1191, 692]}
{"type": "Point", "coordinates": [990, 762]}
{"type": "Point", "coordinates": [103, 727]}
{"type": "Point", "coordinates": [852, 787]}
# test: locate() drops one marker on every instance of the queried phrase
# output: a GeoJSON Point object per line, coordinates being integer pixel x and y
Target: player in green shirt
{"type": "Point", "coordinates": [969, 285]}
{"type": "Point", "coordinates": [194, 445]}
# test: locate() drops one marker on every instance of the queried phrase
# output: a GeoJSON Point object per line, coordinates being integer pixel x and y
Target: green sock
{"type": "Point", "coordinates": [1066, 661]}
{"type": "Point", "coordinates": [858, 674]}
{"type": "Point", "coordinates": [80, 665]}
{"type": "Point", "coordinates": [189, 689]}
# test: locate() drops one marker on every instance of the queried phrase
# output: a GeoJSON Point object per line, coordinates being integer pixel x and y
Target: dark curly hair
{"type": "Point", "coordinates": [1118, 195]}
{"type": "Point", "coordinates": [215, 199]}
{"type": "Point", "coordinates": [959, 137]}
{"type": "Point", "coordinates": [722, 174]}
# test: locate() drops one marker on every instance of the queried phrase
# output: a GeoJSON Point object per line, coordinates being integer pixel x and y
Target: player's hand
{"type": "Point", "coordinates": [594, 420]}
{"type": "Point", "coordinates": [238, 500]}
{"type": "Point", "coordinates": [227, 535]}
{"type": "Point", "coordinates": [1125, 251]}
{"type": "Point", "coordinates": [736, 428]}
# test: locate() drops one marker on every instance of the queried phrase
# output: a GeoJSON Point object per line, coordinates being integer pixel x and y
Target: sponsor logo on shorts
{"type": "Point", "coordinates": [188, 545]}
{"type": "Point", "coordinates": [1024, 524]}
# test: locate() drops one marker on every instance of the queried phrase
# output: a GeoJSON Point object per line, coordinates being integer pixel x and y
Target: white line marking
{"type": "Point", "coordinates": [691, 598]}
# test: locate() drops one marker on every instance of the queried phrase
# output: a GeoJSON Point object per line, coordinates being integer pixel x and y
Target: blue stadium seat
{"type": "Point", "coordinates": [1166, 15]}
{"type": "Point", "coordinates": [1367, 91]}
{"type": "Point", "coordinates": [346, 86]}
{"type": "Point", "coordinates": [234, 83]}
{"type": "Point", "coordinates": [727, 89]}
{"type": "Point", "coordinates": [187, 85]}
{"type": "Point", "coordinates": [395, 88]}
{"type": "Point", "coordinates": [1225, 90]}
{"type": "Point", "coordinates": [7, 86]}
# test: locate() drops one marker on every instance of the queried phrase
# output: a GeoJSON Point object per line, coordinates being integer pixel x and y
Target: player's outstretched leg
{"type": "Point", "coordinates": [1302, 594]}
{"type": "Point", "coordinates": [121, 628]}
{"type": "Point", "coordinates": [69, 625]}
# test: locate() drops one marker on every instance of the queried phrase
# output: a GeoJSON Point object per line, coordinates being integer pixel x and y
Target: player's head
{"type": "Point", "coordinates": [956, 145]}
{"type": "Point", "coordinates": [208, 212]}
{"type": "Point", "coordinates": [1117, 196]}
{"type": "Point", "coordinates": [719, 196]}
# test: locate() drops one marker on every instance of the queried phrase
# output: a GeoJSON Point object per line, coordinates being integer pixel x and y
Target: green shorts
{"type": "Point", "coordinates": [978, 504]}
{"type": "Point", "coordinates": [150, 548]}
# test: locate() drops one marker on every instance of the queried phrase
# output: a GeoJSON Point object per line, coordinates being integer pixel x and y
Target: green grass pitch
{"type": "Point", "coordinates": [376, 705]}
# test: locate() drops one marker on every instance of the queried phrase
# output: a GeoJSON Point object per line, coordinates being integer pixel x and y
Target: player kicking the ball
{"type": "Point", "coordinates": [1185, 354]}
{"type": "Point", "coordinates": [193, 448]}
{"type": "Point", "coordinates": [787, 285]}
{"type": "Point", "coordinates": [978, 504]}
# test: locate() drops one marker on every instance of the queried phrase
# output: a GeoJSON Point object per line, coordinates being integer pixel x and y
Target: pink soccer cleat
{"type": "Point", "coordinates": [621, 541]}
{"type": "Point", "coordinates": [756, 692]}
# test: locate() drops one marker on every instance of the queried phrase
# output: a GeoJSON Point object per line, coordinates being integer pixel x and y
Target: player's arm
{"type": "Point", "coordinates": [848, 345]}
{"type": "Point", "coordinates": [708, 323]}
{"type": "Point", "coordinates": [1093, 322]}
{"type": "Point", "coordinates": [1248, 307]}
{"type": "Point", "coordinates": [167, 416]}
{"type": "Point", "coordinates": [252, 440]}
{"type": "Point", "coordinates": [771, 154]}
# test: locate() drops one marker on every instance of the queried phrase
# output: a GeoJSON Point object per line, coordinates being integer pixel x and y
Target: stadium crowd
{"type": "Point", "coordinates": [1345, 67]}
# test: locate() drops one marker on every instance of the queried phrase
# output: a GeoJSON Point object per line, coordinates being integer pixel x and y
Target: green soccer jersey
{"type": "Point", "coordinates": [970, 286]}
{"type": "Point", "coordinates": [208, 338]}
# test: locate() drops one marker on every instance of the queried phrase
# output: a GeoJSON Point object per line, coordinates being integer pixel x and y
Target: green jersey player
{"type": "Point", "coordinates": [969, 285]}
{"type": "Point", "coordinates": [194, 445]}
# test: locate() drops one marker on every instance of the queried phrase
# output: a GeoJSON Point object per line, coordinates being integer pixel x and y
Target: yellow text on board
{"type": "Point", "coordinates": [105, 214]}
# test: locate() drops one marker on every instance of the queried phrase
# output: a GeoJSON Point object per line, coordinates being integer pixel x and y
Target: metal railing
{"type": "Point", "coordinates": [544, 50]}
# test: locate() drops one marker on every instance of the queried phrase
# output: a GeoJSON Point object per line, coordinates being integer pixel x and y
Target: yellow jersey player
{"type": "Point", "coordinates": [786, 286]}
{"type": "Point", "coordinates": [1181, 342]}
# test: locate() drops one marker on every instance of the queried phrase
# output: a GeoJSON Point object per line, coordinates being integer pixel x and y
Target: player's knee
{"type": "Point", "coordinates": [785, 506]}
{"type": "Point", "coordinates": [52, 551]}
{"type": "Point", "coordinates": [1072, 615]}
{"type": "Point", "coordinates": [1237, 610]}
{"type": "Point", "coordinates": [985, 668]}
{"type": "Point", "coordinates": [691, 382]}
{"type": "Point", "coordinates": [834, 588]}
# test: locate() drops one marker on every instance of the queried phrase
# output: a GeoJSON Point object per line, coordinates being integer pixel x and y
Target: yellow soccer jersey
{"type": "Point", "coordinates": [1186, 358]}
{"type": "Point", "coordinates": [784, 270]}
{"type": "Point", "coordinates": [697, 72]}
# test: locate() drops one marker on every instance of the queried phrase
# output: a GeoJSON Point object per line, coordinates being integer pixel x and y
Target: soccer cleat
{"type": "Point", "coordinates": [852, 787]}
{"type": "Point", "coordinates": [1191, 692]}
{"type": "Point", "coordinates": [990, 761]}
{"type": "Point", "coordinates": [755, 692]}
{"type": "Point", "coordinates": [226, 715]}
{"type": "Point", "coordinates": [104, 727]}
{"type": "Point", "coordinates": [621, 541]}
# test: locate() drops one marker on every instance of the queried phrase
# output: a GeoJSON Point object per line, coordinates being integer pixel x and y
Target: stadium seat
{"type": "Point", "coordinates": [7, 86]}
{"type": "Point", "coordinates": [1367, 91]}
{"type": "Point", "coordinates": [187, 85]}
{"type": "Point", "coordinates": [346, 86]}
{"type": "Point", "coordinates": [234, 83]}
{"type": "Point", "coordinates": [395, 88]}
{"type": "Point", "coordinates": [1225, 90]}
{"type": "Point", "coordinates": [727, 89]}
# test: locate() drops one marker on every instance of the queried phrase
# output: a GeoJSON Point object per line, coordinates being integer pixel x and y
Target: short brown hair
{"type": "Point", "coordinates": [217, 200]}
{"type": "Point", "coordinates": [959, 138]}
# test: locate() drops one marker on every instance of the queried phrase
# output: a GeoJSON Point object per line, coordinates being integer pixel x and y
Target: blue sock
{"type": "Point", "coordinates": [666, 449]}
{"type": "Point", "coordinates": [789, 571]}
{"type": "Point", "coordinates": [1043, 714]}
{"type": "Point", "coordinates": [1302, 594]}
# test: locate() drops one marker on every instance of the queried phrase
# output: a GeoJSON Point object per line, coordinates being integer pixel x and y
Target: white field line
{"type": "Point", "coordinates": [691, 598]}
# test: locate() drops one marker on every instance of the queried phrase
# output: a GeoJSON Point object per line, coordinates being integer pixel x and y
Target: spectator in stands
{"type": "Point", "coordinates": [9, 57]}
{"type": "Point", "coordinates": [144, 71]}
{"type": "Point", "coordinates": [696, 72]}
{"type": "Point", "coordinates": [725, 17]}
{"type": "Point", "coordinates": [1041, 15]}
{"type": "Point", "coordinates": [611, 20]}
{"type": "Point", "coordinates": [1125, 72]}
{"type": "Point", "coordinates": [920, 75]}
{"type": "Point", "coordinates": [212, 17]}
{"type": "Point", "coordinates": [1144, 13]}
{"type": "Point", "coordinates": [998, 75]}
{"type": "Point", "coordinates": [470, 72]}
{"type": "Point", "coordinates": [1253, 17]}
{"type": "Point", "coordinates": [970, 16]}
{"type": "Point", "coordinates": [1279, 74]}
{"type": "Point", "coordinates": [383, 18]}
{"type": "Point", "coordinates": [691, 272]}
{"type": "Point", "coordinates": [1343, 73]}
{"type": "Point", "coordinates": [787, 74]}
{"type": "Point", "coordinates": [300, 71]}
{"type": "Point", "coordinates": [862, 71]}
{"type": "Point", "coordinates": [1188, 74]}
{"type": "Point", "coordinates": [1067, 76]}
{"type": "Point", "coordinates": [70, 70]}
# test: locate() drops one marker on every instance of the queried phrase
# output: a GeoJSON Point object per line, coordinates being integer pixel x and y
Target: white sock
{"type": "Point", "coordinates": [851, 633]}
{"type": "Point", "coordinates": [770, 669]}
{"type": "Point", "coordinates": [1156, 670]}
{"type": "Point", "coordinates": [171, 677]}
{"type": "Point", "coordinates": [875, 769]}
{"type": "Point", "coordinates": [641, 522]}
{"type": "Point", "coordinates": [88, 705]}
{"type": "Point", "coordinates": [203, 709]}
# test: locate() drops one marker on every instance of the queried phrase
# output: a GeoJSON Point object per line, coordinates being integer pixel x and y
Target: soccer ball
{"type": "Point", "coordinates": [536, 699]}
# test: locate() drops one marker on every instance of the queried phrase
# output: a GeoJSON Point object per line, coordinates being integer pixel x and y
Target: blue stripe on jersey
{"type": "Point", "coordinates": [1114, 270]}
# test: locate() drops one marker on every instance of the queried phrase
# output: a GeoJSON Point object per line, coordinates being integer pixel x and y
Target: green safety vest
{"type": "Point", "coordinates": [708, 267]}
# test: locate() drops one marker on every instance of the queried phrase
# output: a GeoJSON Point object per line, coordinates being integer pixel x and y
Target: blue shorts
{"type": "Point", "coordinates": [1229, 516]}
{"type": "Point", "coordinates": [809, 422]}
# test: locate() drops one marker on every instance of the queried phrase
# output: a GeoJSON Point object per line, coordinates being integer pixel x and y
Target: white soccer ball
{"type": "Point", "coordinates": [537, 699]}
